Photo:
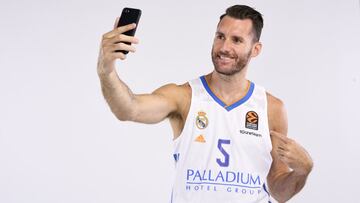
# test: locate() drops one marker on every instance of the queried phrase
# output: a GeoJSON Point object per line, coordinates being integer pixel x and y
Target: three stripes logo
{"type": "Point", "coordinates": [200, 138]}
{"type": "Point", "coordinates": [252, 120]}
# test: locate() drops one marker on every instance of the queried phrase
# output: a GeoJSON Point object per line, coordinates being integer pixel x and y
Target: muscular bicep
{"type": "Point", "coordinates": [155, 107]}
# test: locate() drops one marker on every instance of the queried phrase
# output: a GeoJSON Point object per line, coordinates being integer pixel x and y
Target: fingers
{"type": "Point", "coordinates": [281, 143]}
{"type": "Point", "coordinates": [284, 156]}
{"type": "Point", "coordinates": [282, 151]}
{"type": "Point", "coordinates": [282, 148]}
{"type": "Point", "coordinates": [286, 151]}
{"type": "Point", "coordinates": [119, 30]}
{"type": "Point", "coordinates": [120, 38]}
{"type": "Point", "coordinates": [118, 55]}
{"type": "Point", "coordinates": [118, 47]}
{"type": "Point", "coordinates": [115, 41]}
{"type": "Point", "coordinates": [284, 159]}
{"type": "Point", "coordinates": [115, 55]}
{"type": "Point", "coordinates": [279, 137]}
{"type": "Point", "coordinates": [116, 22]}
{"type": "Point", "coordinates": [290, 153]}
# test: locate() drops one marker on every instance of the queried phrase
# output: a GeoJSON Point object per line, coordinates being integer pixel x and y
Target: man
{"type": "Point", "coordinates": [230, 135]}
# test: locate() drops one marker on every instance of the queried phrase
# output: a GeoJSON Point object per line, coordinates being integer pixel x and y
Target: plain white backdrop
{"type": "Point", "coordinates": [60, 143]}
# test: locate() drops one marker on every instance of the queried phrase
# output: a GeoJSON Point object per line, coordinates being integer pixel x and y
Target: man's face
{"type": "Point", "coordinates": [233, 45]}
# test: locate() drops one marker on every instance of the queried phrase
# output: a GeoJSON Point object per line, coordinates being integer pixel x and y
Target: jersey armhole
{"type": "Point", "coordinates": [186, 124]}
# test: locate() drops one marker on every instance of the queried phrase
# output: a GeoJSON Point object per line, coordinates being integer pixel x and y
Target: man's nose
{"type": "Point", "coordinates": [225, 46]}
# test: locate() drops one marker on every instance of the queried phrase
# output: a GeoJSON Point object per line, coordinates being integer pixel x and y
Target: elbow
{"type": "Point", "coordinates": [276, 196]}
{"type": "Point", "coordinates": [280, 199]}
{"type": "Point", "coordinates": [279, 195]}
{"type": "Point", "coordinates": [122, 118]}
{"type": "Point", "coordinates": [124, 115]}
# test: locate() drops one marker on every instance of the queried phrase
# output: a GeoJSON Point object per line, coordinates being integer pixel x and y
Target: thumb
{"type": "Point", "coordinates": [116, 22]}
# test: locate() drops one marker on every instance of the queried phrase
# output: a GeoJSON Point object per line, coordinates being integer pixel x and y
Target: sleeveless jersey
{"type": "Point", "coordinates": [223, 153]}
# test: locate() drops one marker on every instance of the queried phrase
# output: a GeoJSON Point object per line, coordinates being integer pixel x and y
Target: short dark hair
{"type": "Point", "coordinates": [245, 12]}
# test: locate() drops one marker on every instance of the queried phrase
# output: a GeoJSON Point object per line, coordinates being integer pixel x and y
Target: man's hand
{"type": "Point", "coordinates": [291, 153]}
{"type": "Point", "coordinates": [127, 106]}
{"type": "Point", "coordinates": [112, 41]}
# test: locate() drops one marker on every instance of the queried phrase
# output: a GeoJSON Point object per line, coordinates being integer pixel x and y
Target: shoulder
{"type": "Point", "coordinates": [185, 95]}
{"type": "Point", "coordinates": [174, 91]}
{"type": "Point", "coordinates": [274, 103]}
{"type": "Point", "coordinates": [180, 95]}
{"type": "Point", "coordinates": [277, 114]}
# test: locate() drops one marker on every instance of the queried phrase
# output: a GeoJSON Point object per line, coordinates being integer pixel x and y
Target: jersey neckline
{"type": "Point", "coordinates": [221, 103]}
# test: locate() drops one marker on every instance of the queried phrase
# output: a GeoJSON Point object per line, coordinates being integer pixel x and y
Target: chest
{"type": "Point", "coordinates": [216, 138]}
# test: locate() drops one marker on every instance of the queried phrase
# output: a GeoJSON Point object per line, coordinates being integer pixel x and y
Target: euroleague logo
{"type": "Point", "coordinates": [201, 120]}
{"type": "Point", "coordinates": [252, 120]}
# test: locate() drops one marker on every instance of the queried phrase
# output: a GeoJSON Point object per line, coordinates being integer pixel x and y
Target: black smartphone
{"type": "Point", "coordinates": [128, 16]}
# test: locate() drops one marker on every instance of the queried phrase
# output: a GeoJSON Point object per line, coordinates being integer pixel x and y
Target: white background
{"type": "Point", "coordinates": [59, 142]}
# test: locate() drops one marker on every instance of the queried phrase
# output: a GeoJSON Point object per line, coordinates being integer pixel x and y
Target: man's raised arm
{"type": "Point", "coordinates": [145, 108]}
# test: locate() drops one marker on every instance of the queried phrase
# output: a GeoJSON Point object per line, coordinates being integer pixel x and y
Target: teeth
{"type": "Point", "coordinates": [224, 57]}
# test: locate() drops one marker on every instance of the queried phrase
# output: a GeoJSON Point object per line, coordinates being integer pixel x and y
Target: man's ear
{"type": "Point", "coordinates": [256, 49]}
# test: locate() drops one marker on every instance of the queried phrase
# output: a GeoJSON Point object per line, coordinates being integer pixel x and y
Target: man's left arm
{"type": "Point", "coordinates": [291, 162]}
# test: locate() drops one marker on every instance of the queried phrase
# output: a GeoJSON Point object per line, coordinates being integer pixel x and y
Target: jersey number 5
{"type": "Point", "coordinates": [224, 163]}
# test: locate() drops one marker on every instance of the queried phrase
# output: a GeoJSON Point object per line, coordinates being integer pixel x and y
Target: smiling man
{"type": "Point", "coordinates": [230, 135]}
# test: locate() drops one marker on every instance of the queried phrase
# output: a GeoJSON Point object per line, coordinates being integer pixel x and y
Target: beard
{"type": "Point", "coordinates": [239, 64]}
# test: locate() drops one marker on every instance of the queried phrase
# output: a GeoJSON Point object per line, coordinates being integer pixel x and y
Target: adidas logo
{"type": "Point", "coordinates": [200, 138]}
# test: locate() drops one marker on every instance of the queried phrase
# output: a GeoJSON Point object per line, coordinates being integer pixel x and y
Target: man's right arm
{"type": "Point", "coordinates": [127, 106]}
{"type": "Point", "coordinates": [144, 108]}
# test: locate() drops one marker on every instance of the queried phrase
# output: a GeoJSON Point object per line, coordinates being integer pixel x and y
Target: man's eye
{"type": "Point", "coordinates": [237, 40]}
{"type": "Point", "coordinates": [220, 37]}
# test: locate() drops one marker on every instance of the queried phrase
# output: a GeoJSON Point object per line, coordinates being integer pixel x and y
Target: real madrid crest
{"type": "Point", "coordinates": [201, 120]}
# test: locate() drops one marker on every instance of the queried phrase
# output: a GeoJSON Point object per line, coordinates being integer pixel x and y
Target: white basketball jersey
{"type": "Point", "coordinates": [223, 153]}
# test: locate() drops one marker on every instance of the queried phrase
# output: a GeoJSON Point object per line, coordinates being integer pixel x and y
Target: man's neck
{"type": "Point", "coordinates": [229, 88]}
